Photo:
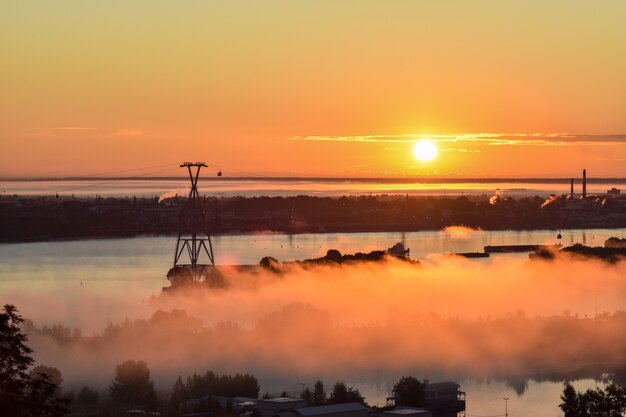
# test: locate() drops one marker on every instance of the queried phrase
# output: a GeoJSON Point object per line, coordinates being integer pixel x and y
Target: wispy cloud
{"type": "Point", "coordinates": [462, 150]}
{"type": "Point", "coordinates": [485, 138]}
{"type": "Point", "coordinates": [129, 132]}
{"type": "Point", "coordinates": [73, 128]}
{"type": "Point", "coordinates": [609, 159]}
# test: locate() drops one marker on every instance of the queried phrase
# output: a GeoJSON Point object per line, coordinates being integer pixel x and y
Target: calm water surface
{"type": "Point", "coordinates": [143, 261]}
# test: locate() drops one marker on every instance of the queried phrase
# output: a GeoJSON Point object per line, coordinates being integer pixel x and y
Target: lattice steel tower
{"type": "Point", "coordinates": [194, 252]}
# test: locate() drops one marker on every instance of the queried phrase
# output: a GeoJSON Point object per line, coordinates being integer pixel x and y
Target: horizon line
{"type": "Point", "coordinates": [311, 178]}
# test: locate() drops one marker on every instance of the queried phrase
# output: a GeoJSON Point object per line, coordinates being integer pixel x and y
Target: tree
{"type": "Point", "coordinates": [319, 395]}
{"type": "Point", "coordinates": [569, 404]}
{"type": "Point", "coordinates": [409, 392]}
{"type": "Point", "coordinates": [333, 255]}
{"type": "Point", "coordinates": [307, 395]}
{"type": "Point", "coordinates": [610, 402]}
{"type": "Point", "coordinates": [132, 384]}
{"type": "Point", "coordinates": [51, 372]}
{"type": "Point", "coordinates": [23, 394]}
{"type": "Point", "coordinates": [87, 396]}
{"type": "Point", "coordinates": [179, 394]}
{"type": "Point", "coordinates": [341, 394]}
{"type": "Point", "coordinates": [226, 385]}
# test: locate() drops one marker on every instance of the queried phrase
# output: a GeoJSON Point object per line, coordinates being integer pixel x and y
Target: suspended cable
{"type": "Point", "coordinates": [168, 167]}
{"type": "Point", "coordinates": [108, 181]}
{"type": "Point", "coordinates": [219, 166]}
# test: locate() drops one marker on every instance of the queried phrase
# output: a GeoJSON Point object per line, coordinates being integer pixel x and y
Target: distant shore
{"type": "Point", "coordinates": [387, 180]}
{"type": "Point", "coordinates": [28, 219]}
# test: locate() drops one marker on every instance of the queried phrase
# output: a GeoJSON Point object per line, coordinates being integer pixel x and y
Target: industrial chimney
{"type": "Point", "coordinates": [584, 184]}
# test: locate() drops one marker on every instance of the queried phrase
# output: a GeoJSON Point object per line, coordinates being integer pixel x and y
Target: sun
{"type": "Point", "coordinates": [425, 150]}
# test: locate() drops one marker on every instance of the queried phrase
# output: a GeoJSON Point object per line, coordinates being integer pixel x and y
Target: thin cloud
{"type": "Point", "coordinates": [610, 159]}
{"type": "Point", "coordinates": [129, 132]}
{"type": "Point", "coordinates": [73, 128]}
{"type": "Point", "coordinates": [462, 150]}
{"type": "Point", "coordinates": [494, 139]}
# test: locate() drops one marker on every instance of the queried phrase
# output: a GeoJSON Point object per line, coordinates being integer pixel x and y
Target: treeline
{"type": "Point", "coordinates": [340, 394]}
{"type": "Point", "coordinates": [609, 254]}
{"type": "Point", "coordinates": [210, 383]}
{"type": "Point", "coordinates": [46, 218]}
{"type": "Point", "coordinates": [334, 257]}
{"type": "Point", "coordinates": [599, 402]}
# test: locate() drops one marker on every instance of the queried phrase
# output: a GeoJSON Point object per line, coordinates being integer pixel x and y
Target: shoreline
{"type": "Point", "coordinates": [425, 180]}
{"type": "Point", "coordinates": [284, 233]}
{"type": "Point", "coordinates": [56, 219]}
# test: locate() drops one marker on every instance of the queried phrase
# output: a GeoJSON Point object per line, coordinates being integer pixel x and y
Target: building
{"type": "Point", "coordinates": [332, 410]}
{"type": "Point", "coordinates": [444, 398]}
{"type": "Point", "coordinates": [273, 406]}
{"type": "Point", "coordinates": [441, 399]}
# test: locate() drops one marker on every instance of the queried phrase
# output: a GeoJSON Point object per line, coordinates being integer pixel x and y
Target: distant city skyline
{"type": "Point", "coordinates": [319, 89]}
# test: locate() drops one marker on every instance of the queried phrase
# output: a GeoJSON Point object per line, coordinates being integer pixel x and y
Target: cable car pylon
{"type": "Point", "coordinates": [194, 261]}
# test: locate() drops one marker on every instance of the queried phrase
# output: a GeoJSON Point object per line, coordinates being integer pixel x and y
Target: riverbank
{"type": "Point", "coordinates": [30, 219]}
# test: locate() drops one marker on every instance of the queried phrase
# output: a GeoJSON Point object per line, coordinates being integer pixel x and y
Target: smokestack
{"type": "Point", "coordinates": [584, 183]}
{"type": "Point", "coordinates": [571, 189]}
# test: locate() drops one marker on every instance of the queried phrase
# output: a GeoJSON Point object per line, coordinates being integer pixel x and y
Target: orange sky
{"type": "Point", "coordinates": [292, 88]}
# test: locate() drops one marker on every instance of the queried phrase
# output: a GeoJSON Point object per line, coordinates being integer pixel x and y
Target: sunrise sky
{"type": "Point", "coordinates": [320, 88]}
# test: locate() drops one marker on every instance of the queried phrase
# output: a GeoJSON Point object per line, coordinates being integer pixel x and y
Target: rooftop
{"type": "Point", "coordinates": [407, 411]}
{"type": "Point", "coordinates": [281, 400]}
{"type": "Point", "coordinates": [331, 409]}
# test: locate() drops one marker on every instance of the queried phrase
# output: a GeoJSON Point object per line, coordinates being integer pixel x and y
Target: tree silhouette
{"type": "Point", "coordinates": [610, 402]}
{"type": "Point", "coordinates": [87, 396]}
{"type": "Point", "coordinates": [51, 372]}
{"type": "Point", "coordinates": [132, 384]}
{"type": "Point", "coordinates": [307, 395]}
{"type": "Point", "coordinates": [319, 395]}
{"type": "Point", "coordinates": [341, 393]}
{"type": "Point", "coordinates": [22, 394]}
{"type": "Point", "coordinates": [211, 384]}
{"type": "Point", "coordinates": [409, 392]}
{"type": "Point", "coordinates": [569, 404]}
{"type": "Point", "coordinates": [179, 394]}
{"type": "Point", "coordinates": [227, 385]}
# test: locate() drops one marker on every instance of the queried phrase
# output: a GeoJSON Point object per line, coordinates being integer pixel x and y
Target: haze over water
{"type": "Point", "coordinates": [89, 283]}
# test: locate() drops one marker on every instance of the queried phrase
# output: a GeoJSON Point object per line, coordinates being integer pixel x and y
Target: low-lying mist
{"type": "Point", "coordinates": [506, 318]}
